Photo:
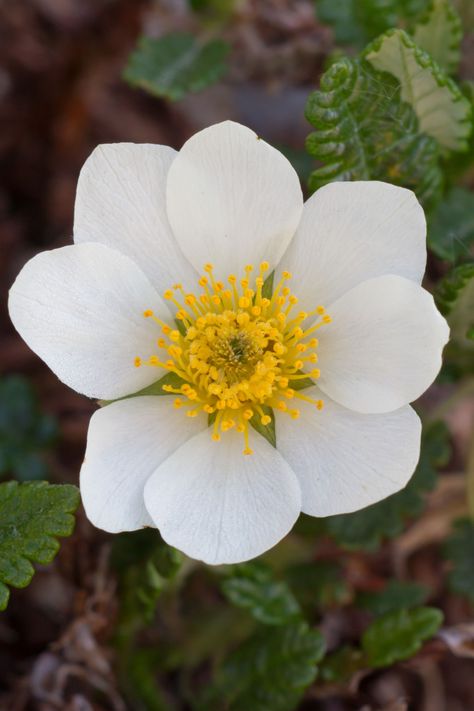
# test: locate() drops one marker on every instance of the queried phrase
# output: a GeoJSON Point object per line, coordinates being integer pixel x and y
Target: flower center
{"type": "Point", "coordinates": [238, 350]}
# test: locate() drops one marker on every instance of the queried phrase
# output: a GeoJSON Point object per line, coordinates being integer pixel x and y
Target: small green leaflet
{"type": "Point", "coordinates": [451, 226]}
{"type": "Point", "coordinates": [176, 64]}
{"type": "Point", "coordinates": [254, 587]}
{"type": "Point", "coordinates": [398, 594]}
{"type": "Point", "coordinates": [32, 516]}
{"type": "Point", "coordinates": [442, 110]}
{"type": "Point", "coordinates": [271, 670]}
{"type": "Point", "coordinates": [439, 32]}
{"type": "Point", "coordinates": [399, 635]}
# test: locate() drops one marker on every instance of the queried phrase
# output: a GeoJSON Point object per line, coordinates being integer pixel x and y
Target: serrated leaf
{"type": "Point", "coordinates": [359, 21]}
{"type": "Point", "coordinates": [455, 299]}
{"type": "Point", "coordinates": [176, 64]}
{"type": "Point", "coordinates": [459, 550]}
{"type": "Point", "coordinates": [145, 564]}
{"type": "Point", "coordinates": [397, 595]}
{"type": "Point", "coordinates": [253, 587]}
{"type": "Point", "coordinates": [32, 516]}
{"type": "Point", "coordinates": [366, 528]}
{"type": "Point", "coordinates": [399, 635]}
{"type": "Point", "coordinates": [451, 226]}
{"type": "Point", "coordinates": [318, 584]}
{"type": "Point", "coordinates": [365, 132]}
{"type": "Point", "coordinates": [25, 432]}
{"type": "Point", "coordinates": [439, 32]}
{"type": "Point", "coordinates": [442, 110]}
{"type": "Point", "coordinates": [269, 671]}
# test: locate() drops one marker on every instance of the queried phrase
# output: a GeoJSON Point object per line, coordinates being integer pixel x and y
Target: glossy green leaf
{"type": "Point", "coordinates": [253, 587]}
{"type": "Point", "coordinates": [398, 594]}
{"type": "Point", "coordinates": [459, 551]}
{"type": "Point", "coordinates": [399, 635]}
{"type": "Point", "coordinates": [176, 64]}
{"type": "Point", "coordinates": [365, 132]}
{"type": "Point", "coordinates": [439, 32]}
{"type": "Point", "coordinates": [32, 516]}
{"type": "Point", "coordinates": [269, 671]}
{"type": "Point", "coordinates": [442, 110]}
{"type": "Point", "coordinates": [368, 527]}
{"type": "Point", "coordinates": [451, 226]}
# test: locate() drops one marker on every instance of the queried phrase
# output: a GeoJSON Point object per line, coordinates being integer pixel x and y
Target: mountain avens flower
{"type": "Point", "coordinates": [260, 321]}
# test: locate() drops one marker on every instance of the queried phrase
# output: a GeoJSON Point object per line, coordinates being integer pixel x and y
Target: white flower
{"type": "Point", "coordinates": [102, 315]}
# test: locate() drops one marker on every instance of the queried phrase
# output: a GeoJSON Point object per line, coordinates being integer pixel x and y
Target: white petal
{"type": "Point", "coordinates": [232, 199]}
{"type": "Point", "coordinates": [126, 442]}
{"type": "Point", "coordinates": [351, 232]}
{"type": "Point", "coordinates": [80, 308]}
{"type": "Point", "coordinates": [121, 202]}
{"type": "Point", "coordinates": [219, 505]}
{"type": "Point", "coordinates": [383, 347]}
{"type": "Point", "coordinates": [344, 460]}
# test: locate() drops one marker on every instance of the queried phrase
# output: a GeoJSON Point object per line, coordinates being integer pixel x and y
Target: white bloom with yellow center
{"type": "Point", "coordinates": [170, 276]}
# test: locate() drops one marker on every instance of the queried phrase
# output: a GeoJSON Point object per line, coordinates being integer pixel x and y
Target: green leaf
{"type": "Point", "coordinates": [253, 587]}
{"type": "Point", "coordinates": [399, 635]}
{"type": "Point", "coordinates": [269, 671]}
{"type": "Point", "coordinates": [359, 21]}
{"type": "Point", "coordinates": [32, 516]}
{"type": "Point", "coordinates": [366, 528]}
{"type": "Point", "coordinates": [318, 584]}
{"type": "Point", "coordinates": [365, 132]}
{"type": "Point", "coordinates": [455, 299]}
{"type": "Point", "coordinates": [25, 432]}
{"type": "Point", "coordinates": [451, 226]}
{"type": "Point", "coordinates": [459, 550]}
{"type": "Point", "coordinates": [442, 110]}
{"type": "Point", "coordinates": [439, 32]}
{"type": "Point", "coordinates": [396, 595]}
{"type": "Point", "coordinates": [145, 565]}
{"type": "Point", "coordinates": [176, 64]}
{"type": "Point", "coordinates": [267, 431]}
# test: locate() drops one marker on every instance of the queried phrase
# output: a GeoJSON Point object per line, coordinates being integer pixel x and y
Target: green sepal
{"type": "Point", "coordinates": [267, 431]}
{"type": "Point", "coordinates": [154, 389]}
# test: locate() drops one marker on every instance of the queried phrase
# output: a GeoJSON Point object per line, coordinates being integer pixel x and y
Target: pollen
{"type": "Point", "coordinates": [237, 352]}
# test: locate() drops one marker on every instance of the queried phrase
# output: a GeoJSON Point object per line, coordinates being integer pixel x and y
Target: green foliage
{"type": "Point", "coordinates": [271, 670]}
{"type": "Point", "coordinates": [439, 32]}
{"type": "Point", "coordinates": [459, 550]}
{"type": "Point", "coordinates": [253, 586]}
{"type": "Point", "coordinates": [32, 516]}
{"type": "Point", "coordinates": [442, 110]}
{"type": "Point", "coordinates": [359, 21]}
{"type": "Point", "coordinates": [366, 132]}
{"type": "Point", "coordinates": [24, 430]}
{"type": "Point", "coordinates": [176, 64]}
{"type": "Point", "coordinates": [318, 584]}
{"type": "Point", "coordinates": [451, 226]}
{"type": "Point", "coordinates": [399, 635]}
{"type": "Point", "coordinates": [395, 596]}
{"type": "Point", "coordinates": [455, 298]}
{"type": "Point", "coordinates": [145, 564]}
{"type": "Point", "coordinates": [366, 528]}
